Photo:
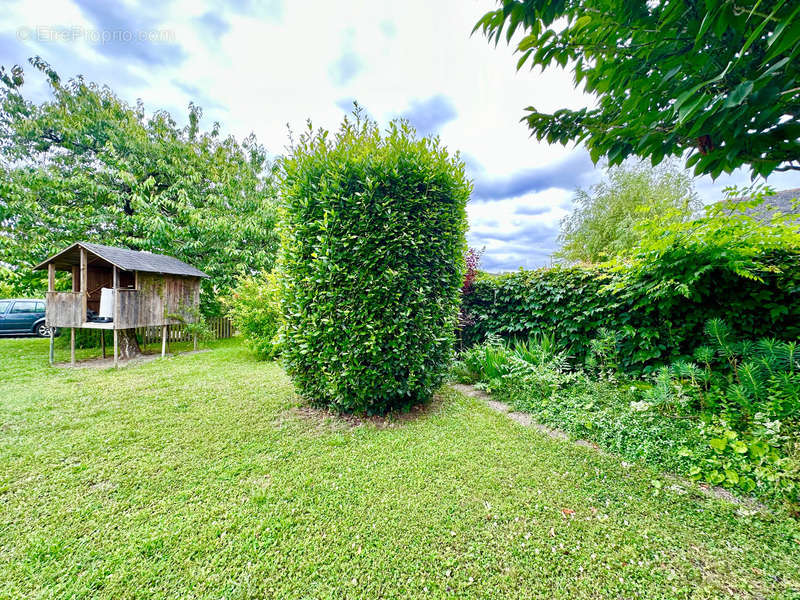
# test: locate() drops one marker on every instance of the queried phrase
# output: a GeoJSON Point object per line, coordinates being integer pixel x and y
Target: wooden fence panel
{"type": "Point", "coordinates": [64, 309]}
{"type": "Point", "coordinates": [220, 326]}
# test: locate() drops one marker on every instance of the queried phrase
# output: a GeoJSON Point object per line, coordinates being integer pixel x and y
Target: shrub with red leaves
{"type": "Point", "coordinates": [473, 260]}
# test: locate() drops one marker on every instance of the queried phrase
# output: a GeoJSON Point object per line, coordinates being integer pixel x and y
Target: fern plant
{"type": "Point", "coordinates": [742, 378]}
{"type": "Point", "coordinates": [719, 335]}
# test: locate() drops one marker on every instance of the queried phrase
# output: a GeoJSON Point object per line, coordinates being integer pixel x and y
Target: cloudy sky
{"type": "Point", "coordinates": [258, 66]}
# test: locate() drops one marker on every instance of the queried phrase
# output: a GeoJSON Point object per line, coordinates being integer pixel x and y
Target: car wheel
{"type": "Point", "coordinates": [42, 330]}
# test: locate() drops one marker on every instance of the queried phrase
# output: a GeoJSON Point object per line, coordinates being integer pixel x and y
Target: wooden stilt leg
{"type": "Point", "coordinates": [163, 341]}
{"type": "Point", "coordinates": [72, 346]}
{"type": "Point", "coordinates": [52, 348]}
{"type": "Point", "coordinates": [116, 348]}
{"type": "Point", "coordinates": [103, 341]}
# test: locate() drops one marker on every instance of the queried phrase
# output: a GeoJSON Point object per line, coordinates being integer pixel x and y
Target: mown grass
{"type": "Point", "coordinates": [195, 477]}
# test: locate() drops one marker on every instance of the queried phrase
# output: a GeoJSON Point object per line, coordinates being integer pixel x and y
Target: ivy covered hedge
{"type": "Point", "coordinates": [652, 324]}
{"type": "Point", "coordinates": [372, 264]}
{"type": "Point", "coordinates": [734, 263]}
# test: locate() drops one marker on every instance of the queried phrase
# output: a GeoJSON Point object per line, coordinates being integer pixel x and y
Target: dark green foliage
{"type": "Point", "coordinates": [84, 338]}
{"type": "Point", "coordinates": [373, 260]}
{"type": "Point", "coordinates": [566, 302]}
{"type": "Point", "coordinates": [717, 78]}
{"type": "Point", "coordinates": [574, 303]}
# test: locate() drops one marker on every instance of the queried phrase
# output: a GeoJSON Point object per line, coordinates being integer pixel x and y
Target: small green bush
{"type": "Point", "coordinates": [570, 304]}
{"type": "Point", "coordinates": [373, 255]}
{"type": "Point", "coordinates": [254, 308]}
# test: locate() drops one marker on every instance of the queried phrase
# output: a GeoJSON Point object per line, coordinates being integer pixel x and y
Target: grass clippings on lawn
{"type": "Point", "coordinates": [331, 419]}
{"type": "Point", "coordinates": [179, 478]}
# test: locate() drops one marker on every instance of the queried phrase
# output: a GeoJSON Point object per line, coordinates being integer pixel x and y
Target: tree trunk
{"type": "Point", "coordinates": [128, 344]}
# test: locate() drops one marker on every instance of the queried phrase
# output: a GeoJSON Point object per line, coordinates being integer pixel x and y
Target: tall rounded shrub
{"type": "Point", "coordinates": [372, 256]}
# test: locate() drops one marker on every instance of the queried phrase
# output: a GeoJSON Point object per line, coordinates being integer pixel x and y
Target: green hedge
{"type": "Point", "coordinates": [372, 260]}
{"type": "Point", "coordinates": [84, 338]}
{"type": "Point", "coordinates": [652, 328]}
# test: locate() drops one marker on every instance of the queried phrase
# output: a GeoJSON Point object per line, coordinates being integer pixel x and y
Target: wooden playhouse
{"type": "Point", "coordinates": [137, 289]}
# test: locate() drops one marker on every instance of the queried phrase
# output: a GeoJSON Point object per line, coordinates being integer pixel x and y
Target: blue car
{"type": "Point", "coordinates": [23, 316]}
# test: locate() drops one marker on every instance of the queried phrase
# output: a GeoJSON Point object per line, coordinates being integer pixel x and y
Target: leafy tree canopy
{"type": "Point", "coordinates": [85, 165]}
{"type": "Point", "coordinates": [717, 78]}
{"type": "Point", "coordinates": [605, 221]}
{"type": "Point", "coordinates": [736, 235]}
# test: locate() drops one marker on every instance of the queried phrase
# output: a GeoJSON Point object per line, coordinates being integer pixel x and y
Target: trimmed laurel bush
{"type": "Point", "coordinates": [254, 308]}
{"type": "Point", "coordinates": [373, 245]}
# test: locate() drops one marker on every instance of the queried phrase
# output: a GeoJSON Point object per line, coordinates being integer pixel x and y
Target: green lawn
{"type": "Point", "coordinates": [196, 476]}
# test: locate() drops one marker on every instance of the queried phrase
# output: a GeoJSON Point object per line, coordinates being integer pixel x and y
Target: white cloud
{"type": "Point", "coordinates": [428, 116]}
{"type": "Point", "coordinates": [258, 66]}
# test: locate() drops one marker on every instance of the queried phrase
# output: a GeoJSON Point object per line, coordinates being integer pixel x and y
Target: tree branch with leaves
{"type": "Point", "coordinates": [714, 79]}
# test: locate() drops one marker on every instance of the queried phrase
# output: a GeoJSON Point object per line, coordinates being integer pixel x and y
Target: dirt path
{"type": "Point", "coordinates": [108, 362]}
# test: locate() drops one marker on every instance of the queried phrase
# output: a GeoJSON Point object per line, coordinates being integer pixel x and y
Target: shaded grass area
{"type": "Point", "coordinates": [195, 476]}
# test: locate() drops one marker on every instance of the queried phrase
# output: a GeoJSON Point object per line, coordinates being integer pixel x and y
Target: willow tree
{"type": "Point", "coordinates": [607, 219]}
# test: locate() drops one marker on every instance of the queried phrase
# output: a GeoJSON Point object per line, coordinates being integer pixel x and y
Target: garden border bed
{"type": "Point", "coordinates": [526, 420]}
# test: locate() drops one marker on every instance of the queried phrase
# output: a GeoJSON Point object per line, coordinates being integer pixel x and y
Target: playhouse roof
{"type": "Point", "coordinates": [123, 258]}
